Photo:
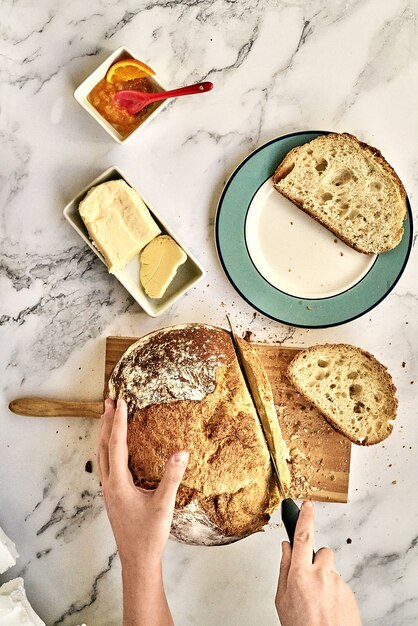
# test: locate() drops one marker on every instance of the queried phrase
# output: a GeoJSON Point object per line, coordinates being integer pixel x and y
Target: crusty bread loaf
{"type": "Point", "coordinates": [348, 187]}
{"type": "Point", "coordinates": [185, 391]}
{"type": "Point", "coordinates": [350, 387]}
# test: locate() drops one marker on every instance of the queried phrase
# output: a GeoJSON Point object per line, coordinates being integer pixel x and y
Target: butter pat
{"type": "Point", "coordinates": [15, 609]}
{"type": "Point", "coordinates": [159, 263]}
{"type": "Point", "coordinates": [8, 552]}
{"type": "Point", "coordinates": [118, 221]}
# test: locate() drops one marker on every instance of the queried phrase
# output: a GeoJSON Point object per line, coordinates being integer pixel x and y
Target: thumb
{"type": "Point", "coordinates": [171, 479]}
{"type": "Point", "coordinates": [284, 567]}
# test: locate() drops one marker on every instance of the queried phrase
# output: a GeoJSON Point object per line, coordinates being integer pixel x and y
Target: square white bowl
{"type": "Point", "coordinates": [187, 274]}
{"type": "Point", "coordinates": [95, 77]}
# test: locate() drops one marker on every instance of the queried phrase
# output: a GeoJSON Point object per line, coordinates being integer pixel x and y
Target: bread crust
{"type": "Point", "coordinates": [379, 367]}
{"type": "Point", "coordinates": [284, 167]}
{"type": "Point", "coordinates": [228, 488]}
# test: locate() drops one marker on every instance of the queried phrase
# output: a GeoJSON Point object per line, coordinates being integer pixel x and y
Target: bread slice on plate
{"type": "Point", "coordinates": [350, 387]}
{"type": "Point", "coordinates": [347, 186]}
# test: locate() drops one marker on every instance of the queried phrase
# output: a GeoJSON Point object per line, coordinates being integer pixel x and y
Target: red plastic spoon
{"type": "Point", "coordinates": [134, 101]}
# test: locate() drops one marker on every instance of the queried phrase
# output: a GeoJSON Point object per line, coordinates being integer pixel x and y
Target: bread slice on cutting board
{"type": "Point", "coordinates": [347, 186]}
{"type": "Point", "coordinates": [263, 397]}
{"type": "Point", "coordinates": [350, 387]}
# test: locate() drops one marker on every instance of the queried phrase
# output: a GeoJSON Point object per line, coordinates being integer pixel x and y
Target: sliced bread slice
{"type": "Point", "coordinates": [348, 187]}
{"type": "Point", "coordinates": [350, 387]}
{"type": "Point", "coordinates": [262, 395]}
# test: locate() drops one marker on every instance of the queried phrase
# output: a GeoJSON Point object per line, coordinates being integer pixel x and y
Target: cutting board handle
{"type": "Point", "coordinates": [45, 407]}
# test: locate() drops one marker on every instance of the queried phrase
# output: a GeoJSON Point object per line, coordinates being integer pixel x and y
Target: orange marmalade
{"type": "Point", "coordinates": [101, 97]}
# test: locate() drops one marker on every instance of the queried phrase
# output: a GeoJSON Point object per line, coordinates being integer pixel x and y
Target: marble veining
{"type": "Point", "coordinates": [278, 67]}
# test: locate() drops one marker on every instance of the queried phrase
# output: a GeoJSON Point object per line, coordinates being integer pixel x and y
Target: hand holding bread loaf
{"type": "Point", "coordinates": [185, 390]}
{"type": "Point", "coordinates": [140, 519]}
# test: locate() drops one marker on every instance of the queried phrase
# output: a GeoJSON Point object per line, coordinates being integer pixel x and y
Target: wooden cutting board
{"type": "Point", "coordinates": [320, 456]}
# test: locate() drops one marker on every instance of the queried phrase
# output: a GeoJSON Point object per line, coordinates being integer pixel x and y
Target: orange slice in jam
{"type": "Point", "coordinates": [128, 69]}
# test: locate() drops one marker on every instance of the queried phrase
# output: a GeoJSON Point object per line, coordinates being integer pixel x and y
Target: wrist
{"type": "Point", "coordinates": [140, 565]}
{"type": "Point", "coordinates": [142, 579]}
{"type": "Point", "coordinates": [139, 555]}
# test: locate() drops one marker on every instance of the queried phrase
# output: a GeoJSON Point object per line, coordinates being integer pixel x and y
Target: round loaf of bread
{"type": "Point", "coordinates": [185, 391]}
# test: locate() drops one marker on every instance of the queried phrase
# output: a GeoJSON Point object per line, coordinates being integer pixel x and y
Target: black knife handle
{"type": "Point", "coordinates": [290, 516]}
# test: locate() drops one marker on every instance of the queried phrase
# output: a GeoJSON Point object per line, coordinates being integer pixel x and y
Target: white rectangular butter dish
{"type": "Point", "coordinates": [187, 275]}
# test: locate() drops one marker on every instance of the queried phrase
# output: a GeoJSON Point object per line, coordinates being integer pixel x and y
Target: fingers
{"type": "Point", "coordinates": [104, 435]}
{"type": "Point", "coordinates": [171, 479]}
{"type": "Point", "coordinates": [325, 558]}
{"type": "Point", "coordinates": [284, 567]}
{"type": "Point", "coordinates": [303, 542]}
{"type": "Point", "coordinates": [118, 446]}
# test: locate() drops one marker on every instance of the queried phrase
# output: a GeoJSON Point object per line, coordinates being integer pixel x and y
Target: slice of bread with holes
{"type": "Point", "coordinates": [349, 188]}
{"type": "Point", "coordinates": [350, 387]}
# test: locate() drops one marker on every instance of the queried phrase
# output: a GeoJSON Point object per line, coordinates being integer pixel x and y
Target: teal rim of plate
{"type": "Point", "coordinates": [231, 216]}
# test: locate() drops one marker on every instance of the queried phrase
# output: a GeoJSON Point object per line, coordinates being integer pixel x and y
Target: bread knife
{"type": "Point", "coordinates": [289, 509]}
{"type": "Point", "coordinates": [266, 433]}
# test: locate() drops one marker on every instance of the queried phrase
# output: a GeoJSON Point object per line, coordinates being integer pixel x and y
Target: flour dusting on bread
{"type": "Point", "coordinates": [192, 526]}
{"type": "Point", "coordinates": [162, 368]}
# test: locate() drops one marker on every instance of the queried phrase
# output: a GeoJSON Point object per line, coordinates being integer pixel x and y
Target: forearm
{"type": "Point", "coordinates": [144, 600]}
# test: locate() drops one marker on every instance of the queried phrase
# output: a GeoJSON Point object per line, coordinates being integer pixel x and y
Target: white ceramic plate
{"type": "Point", "coordinates": [294, 253]}
{"type": "Point", "coordinates": [187, 275]}
{"type": "Point", "coordinates": [91, 81]}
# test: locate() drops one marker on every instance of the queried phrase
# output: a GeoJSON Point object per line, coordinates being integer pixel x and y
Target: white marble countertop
{"type": "Point", "coordinates": [278, 67]}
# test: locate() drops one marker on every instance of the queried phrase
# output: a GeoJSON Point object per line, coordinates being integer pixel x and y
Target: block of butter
{"type": "Point", "coordinates": [8, 552]}
{"type": "Point", "coordinates": [118, 221]}
{"type": "Point", "coordinates": [160, 261]}
{"type": "Point", "coordinates": [15, 609]}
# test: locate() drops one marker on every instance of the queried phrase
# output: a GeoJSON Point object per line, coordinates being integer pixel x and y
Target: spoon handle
{"type": "Point", "coordinates": [183, 91]}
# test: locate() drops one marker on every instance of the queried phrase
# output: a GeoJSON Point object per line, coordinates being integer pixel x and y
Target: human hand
{"type": "Point", "coordinates": [312, 594]}
{"type": "Point", "coordinates": [140, 518]}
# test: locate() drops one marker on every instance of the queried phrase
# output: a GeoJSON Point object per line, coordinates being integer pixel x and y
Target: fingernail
{"type": "Point", "coordinates": [119, 403]}
{"type": "Point", "coordinates": [181, 457]}
{"type": "Point", "coordinates": [108, 402]}
{"type": "Point", "coordinates": [307, 504]}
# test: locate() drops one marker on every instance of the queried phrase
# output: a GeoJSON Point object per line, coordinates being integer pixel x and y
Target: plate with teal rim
{"type": "Point", "coordinates": [285, 264]}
